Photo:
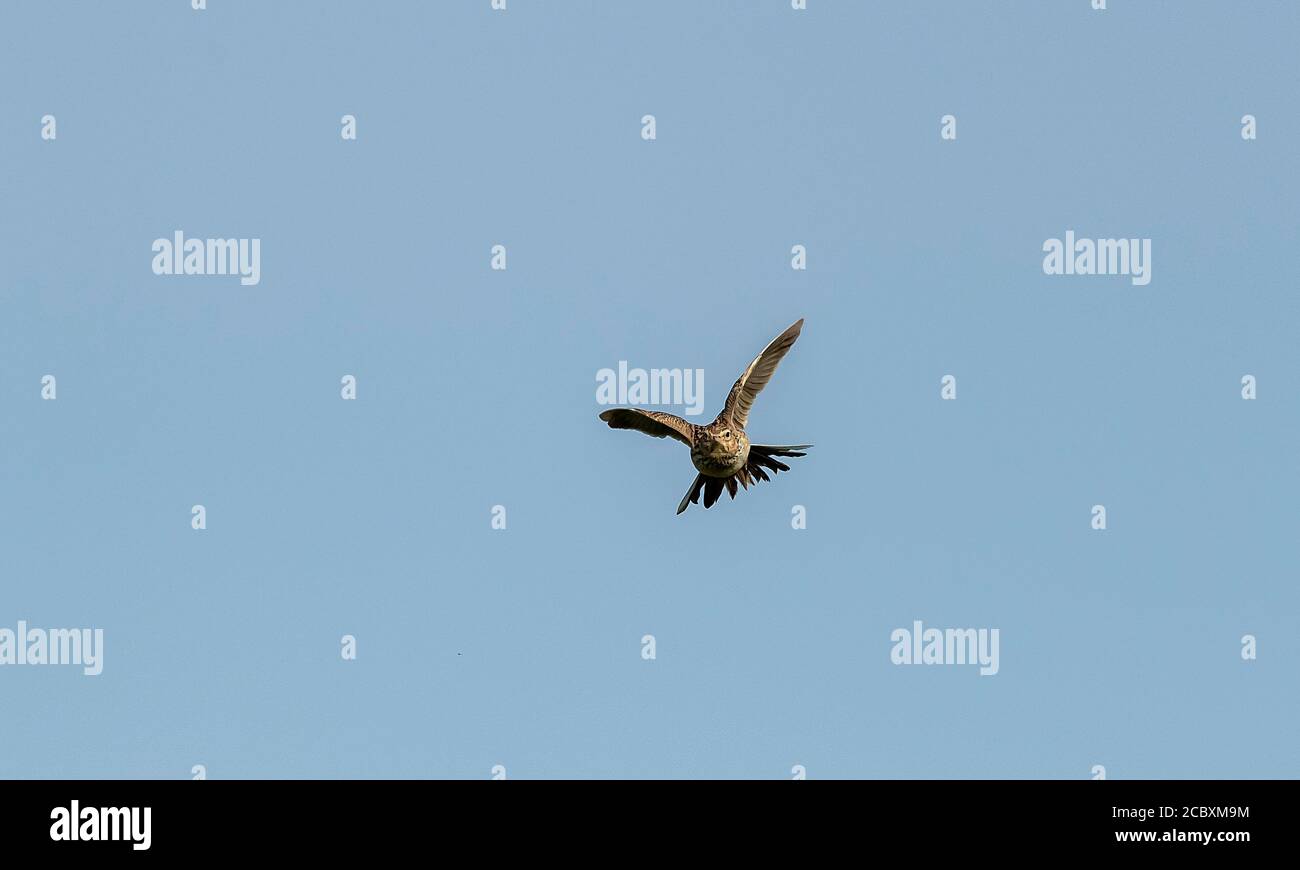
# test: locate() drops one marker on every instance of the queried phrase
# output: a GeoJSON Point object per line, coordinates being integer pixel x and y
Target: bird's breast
{"type": "Point", "coordinates": [718, 461]}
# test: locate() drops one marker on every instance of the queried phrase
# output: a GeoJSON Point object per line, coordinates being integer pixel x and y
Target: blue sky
{"type": "Point", "coordinates": [522, 647]}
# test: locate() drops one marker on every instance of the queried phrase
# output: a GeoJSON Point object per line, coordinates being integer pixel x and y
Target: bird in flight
{"type": "Point", "coordinates": [721, 451]}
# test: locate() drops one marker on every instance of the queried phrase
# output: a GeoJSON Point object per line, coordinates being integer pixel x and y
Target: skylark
{"type": "Point", "coordinates": [721, 451]}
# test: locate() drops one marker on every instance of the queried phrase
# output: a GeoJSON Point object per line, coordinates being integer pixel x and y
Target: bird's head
{"type": "Point", "coordinates": [724, 441]}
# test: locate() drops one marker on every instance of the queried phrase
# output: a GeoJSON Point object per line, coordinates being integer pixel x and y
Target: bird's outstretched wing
{"type": "Point", "coordinates": [741, 397]}
{"type": "Point", "coordinates": [654, 423]}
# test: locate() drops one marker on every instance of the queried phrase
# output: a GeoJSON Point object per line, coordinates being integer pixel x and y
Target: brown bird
{"type": "Point", "coordinates": [721, 451]}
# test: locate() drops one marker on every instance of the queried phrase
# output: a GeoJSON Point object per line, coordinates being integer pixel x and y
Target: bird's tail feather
{"type": "Point", "coordinates": [693, 494]}
{"type": "Point", "coordinates": [713, 490]}
{"type": "Point", "coordinates": [760, 458]}
{"type": "Point", "coordinates": [786, 450]}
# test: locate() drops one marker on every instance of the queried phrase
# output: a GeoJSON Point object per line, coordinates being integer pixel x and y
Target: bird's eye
{"type": "Point", "coordinates": [726, 433]}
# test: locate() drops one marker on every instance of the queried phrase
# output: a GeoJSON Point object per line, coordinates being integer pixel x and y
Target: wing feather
{"type": "Point", "coordinates": [655, 423]}
{"type": "Point", "coordinates": [751, 383]}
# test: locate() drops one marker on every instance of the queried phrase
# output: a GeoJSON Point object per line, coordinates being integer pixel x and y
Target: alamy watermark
{"type": "Point", "coordinates": [655, 387]}
{"type": "Point", "coordinates": [1098, 257]}
{"type": "Point", "coordinates": [77, 823]}
{"type": "Point", "coordinates": [948, 646]}
{"type": "Point", "coordinates": [181, 256]}
{"type": "Point", "coordinates": [53, 646]}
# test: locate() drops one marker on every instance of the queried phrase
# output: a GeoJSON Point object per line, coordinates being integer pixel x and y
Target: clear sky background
{"type": "Point", "coordinates": [522, 647]}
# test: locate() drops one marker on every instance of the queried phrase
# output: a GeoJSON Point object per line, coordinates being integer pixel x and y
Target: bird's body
{"type": "Point", "coordinates": [717, 451]}
{"type": "Point", "coordinates": [721, 451]}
